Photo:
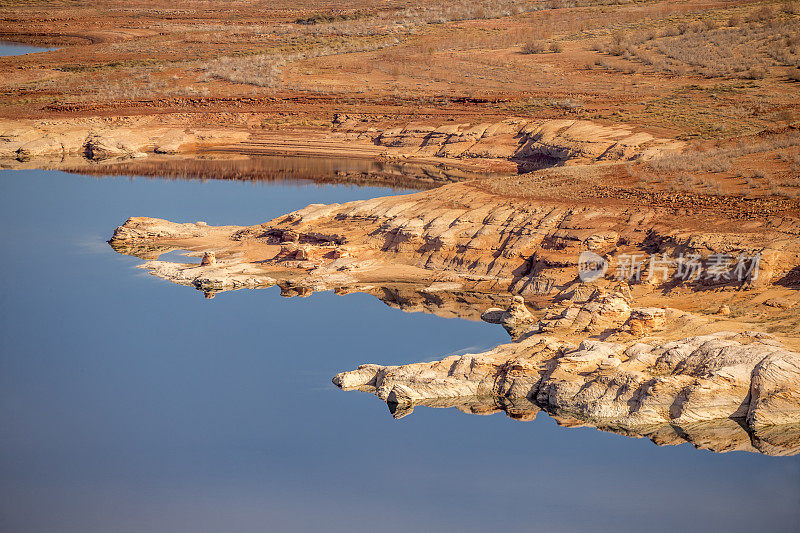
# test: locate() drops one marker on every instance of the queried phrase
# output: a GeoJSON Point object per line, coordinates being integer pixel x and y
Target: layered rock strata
{"type": "Point", "coordinates": [516, 139]}
{"type": "Point", "coordinates": [461, 233]}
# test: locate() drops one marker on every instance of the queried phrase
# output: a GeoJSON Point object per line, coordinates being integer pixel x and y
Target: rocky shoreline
{"type": "Point", "coordinates": [629, 383]}
{"type": "Point", "coordinates": [500, 146]}
{"type": "Point", "coordinates": [628, 356]}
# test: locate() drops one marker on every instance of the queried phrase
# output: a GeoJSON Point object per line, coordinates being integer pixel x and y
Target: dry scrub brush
{"type": "Point", "coordinates": [412, 18]}
{"type": "Point", "coordinates": [684, 171]}
{"type": "Point", "coordinates": [744, 48]}
{"type": "Point", "coordinates": [386, 26]}
{"type": "Point", "coordinates": [721, 159]}
{"type": "Point", "coordinates": [489, 9]}
{"type": "Point", "coordinates": [541, 47]}
{"type": "Point", "coordinates": [262, 71]}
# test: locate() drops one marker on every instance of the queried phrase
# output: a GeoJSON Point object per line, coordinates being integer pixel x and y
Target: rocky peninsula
{"type": "Point", "coordinates": [631, 353]}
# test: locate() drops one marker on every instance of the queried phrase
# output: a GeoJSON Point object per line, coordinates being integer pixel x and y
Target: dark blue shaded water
{"type": "Point", "coordinates": [130, 404]}
{"type": "Point", "coordinates": [18, 49]}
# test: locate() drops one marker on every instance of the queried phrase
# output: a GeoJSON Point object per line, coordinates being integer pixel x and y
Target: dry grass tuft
{"type": "Point", "coordinates": [538, 46]}
{"type": "Point", "coordinates": [534, 47]}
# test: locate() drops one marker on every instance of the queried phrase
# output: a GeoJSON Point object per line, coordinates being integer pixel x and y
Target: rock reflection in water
{"type": "Point", "coordinates": [446, 300]}
{"type": "Point", "coordinates": [719, 436]}
{"type": "Point", "coordinates": [357, 171]}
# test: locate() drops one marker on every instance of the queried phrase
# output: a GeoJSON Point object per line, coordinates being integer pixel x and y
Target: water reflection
{"type": "Point", "coordinates": [8, 48]}
{"type": "Point", "coordinates": [276, 259]}
{"type": "Point", "coordinates": [132, 406]}
{"type": "Point", "coordinates": [722, 435]}
{"type": "Point", "coordinates": [396, 174]}
{"type": "Point", "coordinates": [441, 300]}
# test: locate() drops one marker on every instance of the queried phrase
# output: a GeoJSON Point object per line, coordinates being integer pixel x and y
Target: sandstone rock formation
{"type": "Point", "coordinates": [516, 319]}
{"type": "Point", "coordinates": [632, 355]}
{"type": "Point", "coordinates": [615, 367]}
{"type": "Point", "coordinates": [98, 141]}
{"type": "Point", "coordinates": [489, 244]}
{"type": "Point", "coordinates": [209, 258]}
{"type": "Point", "coordinates": [748, 381]}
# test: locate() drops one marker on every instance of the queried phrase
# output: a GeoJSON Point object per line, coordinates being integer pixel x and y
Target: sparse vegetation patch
{"type": "Point", "coordinates": [745, 49]}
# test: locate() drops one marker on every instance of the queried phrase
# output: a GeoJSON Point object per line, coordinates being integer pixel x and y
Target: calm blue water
{"type": "Point", "coordinates": [18, 49]}
{"type": "Point", "coordinates": [130, 404]}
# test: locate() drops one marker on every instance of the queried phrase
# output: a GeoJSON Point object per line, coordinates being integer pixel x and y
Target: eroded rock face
{"type": "Point", "coordinates": [460, 233]}
{"type": "Point", "coordinates": [507, 143]}
{"type": "Point", "coordinates": [299, 264]}
{"type": "Point", "coordinates": [459, 250]}
{"type": "Point", "coordinates": [775, 389]}
{"type": "Point", "coordinates": [559, 141]}
{"type": "Point", "coordinates": [645, 320]}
